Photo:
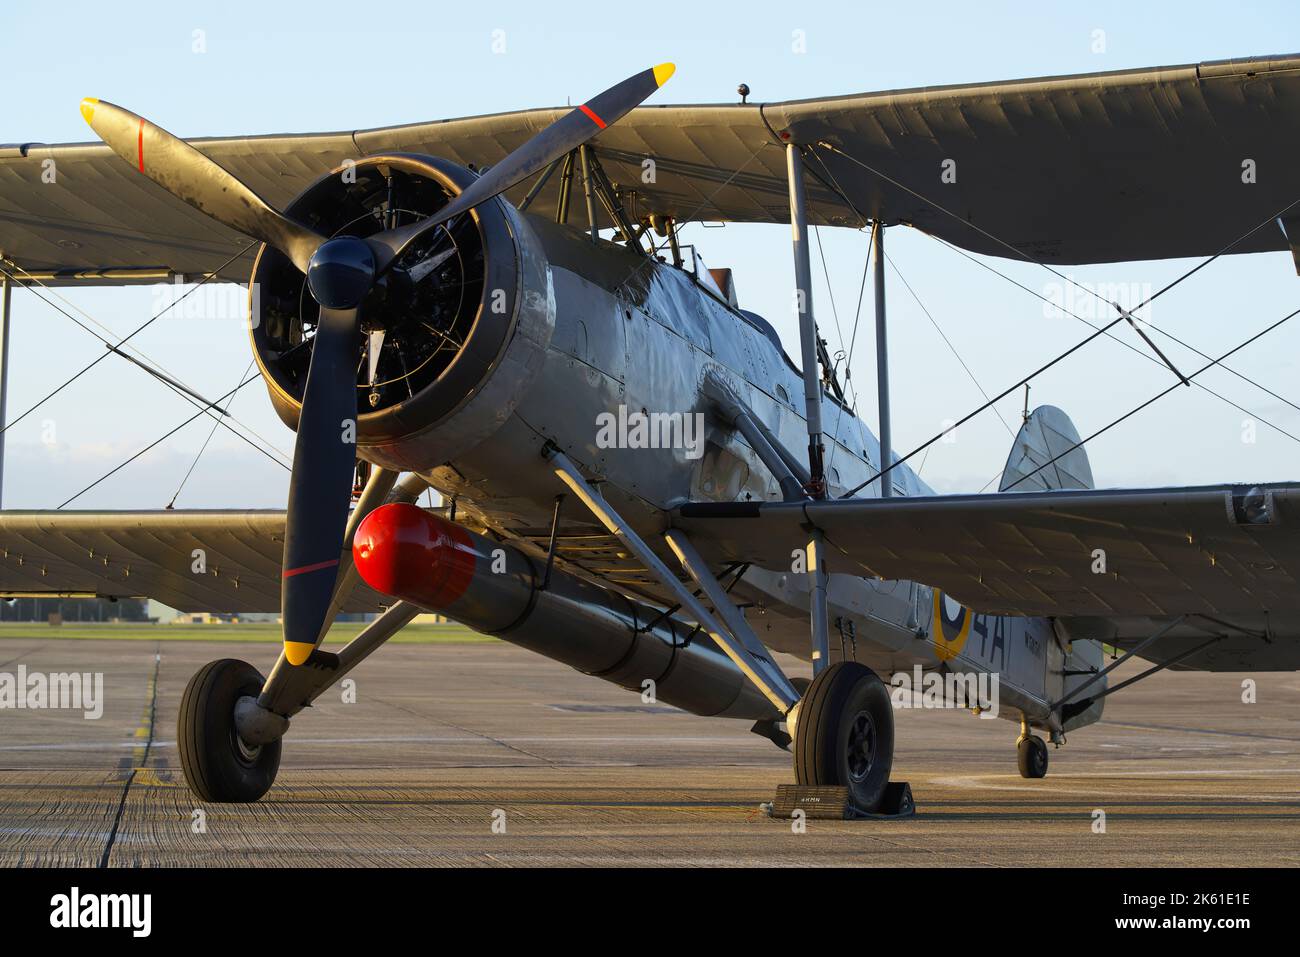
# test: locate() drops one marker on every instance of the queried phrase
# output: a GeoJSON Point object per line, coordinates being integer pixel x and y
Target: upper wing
{"type": "Point", "coordinates": [1105, 167]}
{"type": "Point", "coordinates": [1139, 164]}
{"type": "Point", "coordinates": [217, 561]}
{"type": "Point", "coordinates": [1219, 551]}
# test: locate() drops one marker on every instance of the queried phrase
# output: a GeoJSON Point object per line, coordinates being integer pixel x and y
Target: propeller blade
{"type": "Point", "coordinates": [190, 176]}
{"type": "Point", "coordinates": [564, 135]}
{"type": "Point", "coordinates": [320, 488]}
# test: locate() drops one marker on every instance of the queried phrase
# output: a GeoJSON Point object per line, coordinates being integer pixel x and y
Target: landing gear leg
{"type": "Point", "coordinates": [232, 720]}
{"type": "Point", "coordinates": [1031, 753]}
{"type": "Point", "coordinates": [844, 734]}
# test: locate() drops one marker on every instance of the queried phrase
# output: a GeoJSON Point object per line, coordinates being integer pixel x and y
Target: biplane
{"type": "Point", "coordinates": [459, 305]}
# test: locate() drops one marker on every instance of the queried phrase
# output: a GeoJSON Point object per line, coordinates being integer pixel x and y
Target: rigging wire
{"type": "Point", "coordinates": [1099, 331]}
{"type": "Point", "coordinates": [1055, 272]}
{"type": "Point", "coordinates": [147, 364]}
{"type": "Point", "coordinates": [1022, 254]}
{"type": "Point", "coordinates": [203, 448]}
{"type": "Point", "coordinates": [143, 362]}
{"type": "Point", "coordinates": [205, 406]}
{"type": "Point", "coordinates": [1153, 399]}
{"type": "Point", "coordinates": [159, 441]}
{"type": "Point", "coordinates": [1146, 355]}
{"type": "Point", "coordinates": [998, 398]}
{"type": "Point", "coordinates": [830, 293]}
{"type": "Point", "coordinates": [848, 356]}
{"type": "Point", "coordinates": [947, 342]}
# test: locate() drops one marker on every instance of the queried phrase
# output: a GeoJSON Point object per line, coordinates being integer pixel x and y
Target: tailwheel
{"type": "Point", "coordinates": [219, 766]}
{"type": "Point", "coordinates": [1031, 756]}
{"type": "Point", "coordinates": [844, 733]}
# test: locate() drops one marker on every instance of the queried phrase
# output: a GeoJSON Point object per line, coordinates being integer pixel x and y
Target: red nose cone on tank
{"type": "Point", "coordinates": [403, 551]}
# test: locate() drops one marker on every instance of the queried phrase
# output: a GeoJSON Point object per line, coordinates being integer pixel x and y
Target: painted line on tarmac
{"type": "Point", "coordinates": [405, 739]}
{"type": "Point", "coordinates": [140, 752]}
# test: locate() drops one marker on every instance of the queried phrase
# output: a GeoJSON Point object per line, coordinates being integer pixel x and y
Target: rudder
{"type": "Point", "coordinates": [1046, 434]}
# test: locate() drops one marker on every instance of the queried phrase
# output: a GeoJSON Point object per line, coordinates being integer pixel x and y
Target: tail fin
{"type": "Point", "coordinates": [1046, 434]}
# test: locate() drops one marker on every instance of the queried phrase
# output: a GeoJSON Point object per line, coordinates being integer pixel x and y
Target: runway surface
{"type": "Point", "coordinates": [445, 740]}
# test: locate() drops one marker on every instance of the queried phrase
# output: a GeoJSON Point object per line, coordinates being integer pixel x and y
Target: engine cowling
{"type": "Point", "coordinates": [456, 332]}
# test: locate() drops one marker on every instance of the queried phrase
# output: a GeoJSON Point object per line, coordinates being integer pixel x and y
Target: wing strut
{"type": "Point", "coordinates": [1088, 702]}
{"type": "Point", "coordinates": [882, 358]}
{"type": "Point", "coordinates": [812, 395]}
{"type": "Point", "coordinates": [1136, 649]}
{"type": "Point", "coordinates": [765, 674]}
{"type": "Point", "coordinates": [698, 569]}
{"type": "Point", "coordinates": [5, 291]}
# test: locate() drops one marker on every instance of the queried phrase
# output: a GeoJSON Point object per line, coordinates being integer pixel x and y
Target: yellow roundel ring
{"type": "Point", "coordinates": [950, 627]}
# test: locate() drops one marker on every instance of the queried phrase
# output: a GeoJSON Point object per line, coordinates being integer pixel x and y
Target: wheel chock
{"type": "Point", "coordinates": [831, 803]}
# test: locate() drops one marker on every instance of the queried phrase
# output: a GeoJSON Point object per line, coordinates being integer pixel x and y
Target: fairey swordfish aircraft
{"type": "Point", "coordinates": [637, 481]}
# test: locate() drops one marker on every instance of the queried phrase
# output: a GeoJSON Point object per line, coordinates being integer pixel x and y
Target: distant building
{"type": "Point", "coordinates": [74, 610]}
{"type": "Point", "coordinates": [200, 618]}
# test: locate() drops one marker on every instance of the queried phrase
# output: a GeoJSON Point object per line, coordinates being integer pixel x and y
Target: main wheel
{"type": "Point", "coordinates": [844, 734]}
{"type": "Point", "coordinates": [1031, 756]}
{"type": "Point", "coordinates": [218, 765]}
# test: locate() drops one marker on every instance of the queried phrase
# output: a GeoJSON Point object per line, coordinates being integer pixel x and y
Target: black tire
{"type": "Point", "coordinates": [1031, 756]}
{"type": "Point", "coordinates": [218, 766]}
{"type": "Point", "coordinates": [844, 734]}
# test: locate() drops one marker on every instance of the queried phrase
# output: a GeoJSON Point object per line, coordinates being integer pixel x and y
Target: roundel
{"type": "Point", "coordinates": [951, 626]}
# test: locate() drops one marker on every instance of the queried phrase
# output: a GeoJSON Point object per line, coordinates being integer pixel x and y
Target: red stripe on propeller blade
{"type": "Point", "coordinates": [303, 569]}
{"type": "Point", "coordinates": [592, 114]}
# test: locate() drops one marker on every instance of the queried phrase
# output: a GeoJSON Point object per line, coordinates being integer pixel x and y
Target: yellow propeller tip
{"type": "Point", "coordinates": [88, 109]}
{"type": "Point", "coordinates": [298, 651]}
{"type": "Point", "coordinates": [664, 72]}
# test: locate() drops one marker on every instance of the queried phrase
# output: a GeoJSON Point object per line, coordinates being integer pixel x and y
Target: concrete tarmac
{"type": "Point", "coordinates": [444, 741]}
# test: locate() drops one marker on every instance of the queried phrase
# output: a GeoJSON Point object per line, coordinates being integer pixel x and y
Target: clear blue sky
{"type": "Point", "coordinates": [325, 66]}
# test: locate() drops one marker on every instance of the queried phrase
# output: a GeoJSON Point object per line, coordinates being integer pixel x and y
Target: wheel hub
{"type": "Point", "coordinates": [861, 750]}
{"type": "Point", "coordinates": [247, 753]}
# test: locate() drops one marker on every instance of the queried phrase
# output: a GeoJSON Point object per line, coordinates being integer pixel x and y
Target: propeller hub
{"type": "Point", "coordinates": [341, 272]}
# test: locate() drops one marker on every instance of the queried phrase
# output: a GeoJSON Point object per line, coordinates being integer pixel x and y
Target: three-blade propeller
{"type": "Point", "coordinates": [340, 273]}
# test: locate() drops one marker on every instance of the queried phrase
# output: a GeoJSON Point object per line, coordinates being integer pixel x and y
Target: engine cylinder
{"type": "Point", "coordinates": [455, 332]}
{"type": "Point", "coordinates": [404, 551]}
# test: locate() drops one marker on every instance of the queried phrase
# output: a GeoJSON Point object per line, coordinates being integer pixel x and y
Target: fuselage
{"type": "Point", "coordinates": [635, 338]}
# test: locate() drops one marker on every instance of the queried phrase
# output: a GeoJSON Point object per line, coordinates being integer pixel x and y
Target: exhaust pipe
{"type": "Point", "coordinates": [404, 551]}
